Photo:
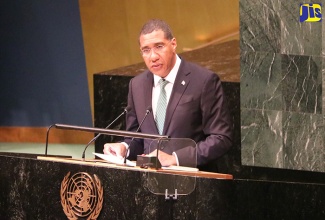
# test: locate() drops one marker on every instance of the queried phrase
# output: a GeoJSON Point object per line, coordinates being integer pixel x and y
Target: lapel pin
{"type": "Point", "coordinates": [183, 83]}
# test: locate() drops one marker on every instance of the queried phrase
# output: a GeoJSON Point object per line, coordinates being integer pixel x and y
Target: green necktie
{"type": "Point", "coordinates": [161, 106]}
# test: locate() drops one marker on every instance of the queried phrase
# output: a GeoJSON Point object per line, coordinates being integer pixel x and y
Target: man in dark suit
{"type": "Point", "coordinates": [192, 99]}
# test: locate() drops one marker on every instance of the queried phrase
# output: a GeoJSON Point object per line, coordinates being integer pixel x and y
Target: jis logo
{"type": "Point", "coordinates": [310, 12]}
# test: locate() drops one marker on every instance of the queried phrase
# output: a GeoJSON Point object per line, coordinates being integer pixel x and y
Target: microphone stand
{"type": "Point", "coordinates": [149, 109]}
{"type": "Point", "coordinates": [95, 138]}
{"type": "Point", "coordinates": [103, 131]}
{"type": "Point", "coordinates": [47, 138]}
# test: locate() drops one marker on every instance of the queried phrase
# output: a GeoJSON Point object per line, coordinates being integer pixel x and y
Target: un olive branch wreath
{"type": "Point", "coordinates": [99, 204]}
{"type": "Point", "coordinates": [66, 208]}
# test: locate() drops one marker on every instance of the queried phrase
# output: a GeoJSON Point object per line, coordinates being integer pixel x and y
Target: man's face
{"type": "Point", "coordinates": [158, 52]}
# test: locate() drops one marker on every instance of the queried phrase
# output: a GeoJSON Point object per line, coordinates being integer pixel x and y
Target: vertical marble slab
{"type": "Point", "coordinates": [261, 81]}
{"type": "Point", "coordinates": [323, 84]}
{"type": "Point", "coordinates": [300, 38]}
{"type": "Point", "coordinates": [282, 84]}
{"type": "Point", "coordinates": [260, 25]}
{"type": "Point", "coordinates": [303, 141]}
{"type": "Point", "coordinates": [261, 133]}
{"type": "Point", "coordinates": [302, 83]}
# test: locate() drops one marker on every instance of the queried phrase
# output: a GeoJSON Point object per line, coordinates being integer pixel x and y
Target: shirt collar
{"type": "Point", "coordinates": [171, 75]}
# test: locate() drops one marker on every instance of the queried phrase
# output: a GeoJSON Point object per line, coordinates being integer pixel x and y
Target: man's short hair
{"type": "Point", "coordinates": [155, 25]}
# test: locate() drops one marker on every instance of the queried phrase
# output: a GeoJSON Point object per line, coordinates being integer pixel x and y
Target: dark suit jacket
{"type": "Point", "coordinates": [197, 109]}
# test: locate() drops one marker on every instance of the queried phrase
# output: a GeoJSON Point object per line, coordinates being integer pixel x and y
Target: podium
{"type": "Point", "coordinates": [32, 189]}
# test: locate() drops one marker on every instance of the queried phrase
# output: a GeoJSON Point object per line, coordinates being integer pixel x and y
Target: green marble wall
{"type": "Point", "coordinates": [282, 82]}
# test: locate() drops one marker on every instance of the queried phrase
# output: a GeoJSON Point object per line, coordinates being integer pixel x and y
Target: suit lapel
{"type": "Point", "coordinates": [148, 85]}
{"type": "Point", "coordinates": [181, 82]}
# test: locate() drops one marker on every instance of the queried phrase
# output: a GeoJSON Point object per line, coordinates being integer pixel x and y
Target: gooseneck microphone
{"type": "Point", "coordinates": [149, 109]}
{"type": "Point", "coordinates": [126, 110]}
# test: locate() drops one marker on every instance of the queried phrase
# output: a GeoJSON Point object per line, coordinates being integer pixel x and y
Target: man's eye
{"type": "Point", "coordinates": [159, 46]}
{"type": "Point", "coordinates": [145, 50]}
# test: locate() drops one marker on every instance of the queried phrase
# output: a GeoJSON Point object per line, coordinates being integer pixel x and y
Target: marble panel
{"type": "Point", "coordinates": [260, 25]}
{"type": "Point", "coordinates": [302, 83]}
{"type": "Point", "coordinates": [282, 71]}
{"type": "Point", "coordinates": [303, 139]}
{"type": "Point", "coordinates": [323, 86]}
{"type": "Point", "coordinates": [300, 38]}
{"type": "Point", "coordinates": [261, 81]}
{"type": "Point", "coordinates": [261, 135]}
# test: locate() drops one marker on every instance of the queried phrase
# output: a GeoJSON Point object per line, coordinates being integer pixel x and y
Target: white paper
{"type": "Point", "coordinates": [114, 159]}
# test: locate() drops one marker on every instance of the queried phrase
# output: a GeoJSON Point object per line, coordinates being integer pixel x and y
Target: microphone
{"type": "Point", "coordinates": [149, 109]}
{"type": "Point", "coordinates": [126, 110]}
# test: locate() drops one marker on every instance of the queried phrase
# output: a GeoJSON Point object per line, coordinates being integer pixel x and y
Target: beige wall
{"type": "Point", "coordinates": [111, 27]}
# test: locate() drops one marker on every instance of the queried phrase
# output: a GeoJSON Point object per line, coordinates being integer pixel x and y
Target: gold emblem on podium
{"type": "Point", "coordinates": [81, 196]}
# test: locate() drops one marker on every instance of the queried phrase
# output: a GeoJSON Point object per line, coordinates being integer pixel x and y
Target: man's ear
{"type": "Point", "coordinates": [174, 43]}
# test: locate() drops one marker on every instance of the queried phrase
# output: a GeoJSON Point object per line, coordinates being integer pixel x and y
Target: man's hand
{"type": "Point", "coordinates": [165, 159]}
{"type": "Point", "coordinates": [115, 149]}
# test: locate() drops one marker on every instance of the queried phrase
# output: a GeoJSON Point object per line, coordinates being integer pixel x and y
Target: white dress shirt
{"type": "Point", "coordinates": [168, 88]}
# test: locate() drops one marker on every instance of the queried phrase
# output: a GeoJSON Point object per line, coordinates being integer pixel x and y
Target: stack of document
{"type": "Point", "coordinates": [120, 161]}
{"type": "Point", "coordinates": [114, 159]}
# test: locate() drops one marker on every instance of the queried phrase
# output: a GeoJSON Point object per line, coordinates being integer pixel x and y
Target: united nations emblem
{"type": "Point", "coordinates": [81, 196]}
